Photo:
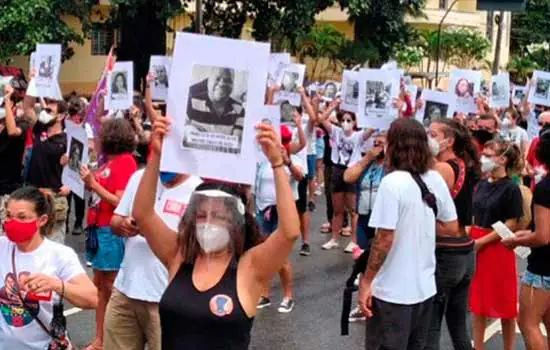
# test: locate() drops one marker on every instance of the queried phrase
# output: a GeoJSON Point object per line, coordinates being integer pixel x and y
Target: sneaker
{"type": "Point", "coordinates": [264, 302]}
{"type": "Point", "coordinates": [311, 206]}
{"type": "Point", "coordinates": [350, 247]}
{"type": "Point", "coordinates": [89, 264]}
{"type": "Point", "coordinates": [286, 306]}
{"type": "Point", "coordinates": [357, 281]}
{"type": "Point", "coordinates": [331, 245]}
{"type": "Point", "coordinates": [356, 315]}
{"type": "Point", "coordinates": [318, 192]}
{"type": "Point", "coordinates": [306, 250]}
{"type": "Point", "coordinates": [77, 231]}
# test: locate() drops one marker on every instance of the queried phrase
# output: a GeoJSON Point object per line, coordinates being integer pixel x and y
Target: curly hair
{"type": "Point", "coordinates": [464, 146]}
{"type": "Point", "coordinates": [118, 137]}
{"type": "Point", "coordinates": [512, 152]}
{"type": "Point", "coordinates": [543, 148]}
{"type": "Point", "coordinates": [408, 148]}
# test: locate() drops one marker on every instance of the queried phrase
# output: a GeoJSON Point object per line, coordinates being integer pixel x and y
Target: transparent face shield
{"type": "Point", "coordinates": [216, 219]}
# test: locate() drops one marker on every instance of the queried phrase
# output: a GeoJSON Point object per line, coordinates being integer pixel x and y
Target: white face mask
{"type": "Point", "coordinates": [434, 146]}
{"type": "Point", "coordinates": [347, 126]}
{"type": "Point", "coordinates": [506, 123]}
{"type": "Point", "coordinates": [45, 117]}
{"type": "Point", "coordinates": [212, 238]}
{"type": "Point", "coordinates": [487, 164]}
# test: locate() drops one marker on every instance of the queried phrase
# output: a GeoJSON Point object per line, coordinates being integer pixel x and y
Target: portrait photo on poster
{"type": "Point", "coordinates": [289, 81]}
{"type": "Point", "coordinates": [464, 85]}
{"type": "Point", "coordinates": [542, 87]}
{"type": "Point", "coordinates": [518, 94]}
{"type": "Point", "coordinates": [539, 93]}
{"type": "Point", "coordinates": [161, 76]}
{"type": "Point", "coordinates": [46, 67]}
{"type": "Point", "coordinates": [287, 113]}
{"type": "Point", "coordinates": [47, 63]}
{"type": "Point", "coordinates": [277, 64]}
{"type": "Point", "coordinates": [216, 109]}
{"type": "Point", "coordinates": [500, 91]}
{"type": "Point", "coordinates": [434, 111]}
{"type": "Point", "coordinates": [437, 105]}
{"type": "Point", "coordinates": [271, 116]}
{"type": "Point", "coordinates": [76, 152]}
{"type": "Point", "coordinates": [331, 90]}
{"type": "Point", "coordinates": [119, 85]}
{"type": "Point", "coordinates": [378, 96]}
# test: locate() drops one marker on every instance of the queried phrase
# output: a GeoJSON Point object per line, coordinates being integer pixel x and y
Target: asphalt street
{"type": "Point", "coordinates": [315, 321]}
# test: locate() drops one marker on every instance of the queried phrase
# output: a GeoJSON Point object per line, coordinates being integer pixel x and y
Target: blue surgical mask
{"type": "Point", "coordinates": [167, 177]}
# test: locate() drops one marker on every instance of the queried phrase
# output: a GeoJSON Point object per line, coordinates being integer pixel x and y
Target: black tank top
{"type": "Point", "coordinates": [210, 320]}
{"type": "Point", "coordinates": [464, 199]}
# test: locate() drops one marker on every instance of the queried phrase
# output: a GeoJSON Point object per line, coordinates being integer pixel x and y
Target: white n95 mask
{"type": "Point", "coordinates": [212, 238]}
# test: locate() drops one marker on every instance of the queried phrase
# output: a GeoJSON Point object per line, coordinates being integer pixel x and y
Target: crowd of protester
{"type": "Point", "coordinates": [193, 263]}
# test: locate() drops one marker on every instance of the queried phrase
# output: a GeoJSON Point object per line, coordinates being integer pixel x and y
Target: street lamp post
{"type": "Point", "coordinates": [198, 16]}
{"type": "Point", "coordinates": [438, 48]}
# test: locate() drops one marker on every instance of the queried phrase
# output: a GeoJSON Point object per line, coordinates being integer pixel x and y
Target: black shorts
{"type": "Point", "coordinates": [301, 203]}
{"type": "Point", "coordinates": [338, 184]}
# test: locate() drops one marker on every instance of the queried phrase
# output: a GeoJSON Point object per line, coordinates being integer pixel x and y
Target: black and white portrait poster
{"type": "Point", "coordinates": [3, 82]}
{"type": "Point", "coordinates": [539, 93]}
{"type": "Point", "coordinates": [77, 151]}
{"type": "Point", "coordinates": [500, 91]}
{"type": "Point", "coordinates": [272, 116]}
{"type": "Point", "coordinates": [350, 91]}
{"type": "Point", "coordinates": [289, 81]}
{"type": "Point", "coordinates": [47, 62]}
{"type": "Point", "coordinates": [120, 87]}
{"type": "Point", "coordinates": [377, 89]}
{"type": "Point", "coordinates": [160, 66]}
{"type": "Point", "coordinates": [518, 94]}
{"type": "Point", "coordinates": [465, 84]}
{"type": "Point", "coordinates": [331, 89]}
{"type": "Point", "coordinates": [437, 105]}
{"type": "Point", "coordinates": [215, 101]}
{"type": "Point", "coordinates": [277, 64]}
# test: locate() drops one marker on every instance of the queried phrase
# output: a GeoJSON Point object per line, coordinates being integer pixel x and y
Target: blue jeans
{"type": "Point", "coordinates": [364, 233]}
{"type": "Point", "coordinates": [536, 281]}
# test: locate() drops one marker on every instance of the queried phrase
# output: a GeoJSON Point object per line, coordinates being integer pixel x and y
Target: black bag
{"type": "Point", "coordinates": [92, 241]}
{"type": "Point", "coordinates": [427, 195]}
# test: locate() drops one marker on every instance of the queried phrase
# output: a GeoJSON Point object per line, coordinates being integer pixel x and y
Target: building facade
{"type": "Point", "coordinates": [83, 70]}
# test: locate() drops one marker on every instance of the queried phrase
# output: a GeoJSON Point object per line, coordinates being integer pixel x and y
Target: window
{"type": "Point", "coordinates": [443, 4]}
{"type": "Point", "coordinates": [102, 39]}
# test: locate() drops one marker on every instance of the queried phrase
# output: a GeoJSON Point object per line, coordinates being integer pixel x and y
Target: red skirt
{"type": "Point", "coordinates": [494, 289]}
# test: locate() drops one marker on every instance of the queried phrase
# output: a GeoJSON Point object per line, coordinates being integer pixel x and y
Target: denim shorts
{"type": "Point", "coordinates": [311, 166]}
{"type": "Point", "coordinates": [320, 148]}
{"type": "Point", "coordinates": [110, 251]}
{"type": "Point", "coordinates": [536, 281]}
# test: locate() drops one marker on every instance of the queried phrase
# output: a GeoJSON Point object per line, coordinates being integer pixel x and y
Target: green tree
{"type": "Point", "coordinates": [409, 56]}
{"type": "Point", "coordinates": [23, 24]}
{"type": "Point", "coordinates": [353, 53]}
{"type": "Point", "coordinates": [530, 34]}
{"type": "Point", "coordinates": [521, 68]}
{"type": "Point", "coordinates": [468, 46]}
{"type": "Point", "coordinates": [380, 24]}
{"type": "Point", "coordinates": [322, 42]}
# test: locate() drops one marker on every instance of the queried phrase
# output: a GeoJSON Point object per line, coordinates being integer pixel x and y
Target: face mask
{"type": "Point", "coordinates": [212, 238]}
{"type": "Point", "coordinates": [506, 123]}
{"type": "Point", "coordinates": [545, 128]}
{"type": "Point", "coordinates": [483, 136]}
{"type": "Point", "coordinates": [487, 164]}
{"type": "Point", "coordinates": [167, 177]}
{"type": "Point", "coordinates": [434, 146]}
{"type": "Point", "coordinates": [45, 117]}
{"type": "Point", "coordinates": [19, 231]}
{"type": "Point", "coordinates": [347, 126]}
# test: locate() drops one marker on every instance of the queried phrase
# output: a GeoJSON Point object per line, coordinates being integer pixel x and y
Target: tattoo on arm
{"type": "Point", "coordinates": [379, 250]}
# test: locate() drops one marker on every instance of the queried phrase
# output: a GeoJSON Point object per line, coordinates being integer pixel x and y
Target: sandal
{"type": "Point", "coordinates": [325, 228]}
{"type": "Point", "coordinates": [345, 232]}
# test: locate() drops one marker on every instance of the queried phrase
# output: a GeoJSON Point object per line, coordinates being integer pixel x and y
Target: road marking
{"type": "Point", "coordinates": [496, 328]}
{"type": "Point", "coordinates": [72, 311]}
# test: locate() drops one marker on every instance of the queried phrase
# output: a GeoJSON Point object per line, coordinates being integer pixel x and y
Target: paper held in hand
{"type": "Point", "coordinates": [504, 232]}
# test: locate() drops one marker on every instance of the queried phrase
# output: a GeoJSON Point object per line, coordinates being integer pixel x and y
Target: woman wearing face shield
{"type": "Point", "coordinates": [217, 267]}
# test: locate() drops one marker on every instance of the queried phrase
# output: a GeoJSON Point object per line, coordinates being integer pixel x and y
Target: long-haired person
{"type": "Point", "coordinates": [458, 162]}
{"type": "Point", "coordinates": [37, 273]}
{"type": "Point", "coordinates": [402, 252]}
{"type": "Point", "coordinates": [493, 293]}
{"type": "Point", "coordinates": [534, 296]}
{"type": "Point", "coordinates": [118, 141]}
{"type": "Point", "coordinates": [216, 264]}
{"type": "Point", "coordinates": [346, 150]}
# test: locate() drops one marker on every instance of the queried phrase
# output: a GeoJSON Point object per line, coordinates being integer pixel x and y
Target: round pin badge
{"type": "Point", "coordinates": [221, 305]}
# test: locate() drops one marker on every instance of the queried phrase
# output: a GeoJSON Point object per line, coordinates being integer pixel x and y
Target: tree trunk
{"type": "Point", "coordinates": [141, 36]}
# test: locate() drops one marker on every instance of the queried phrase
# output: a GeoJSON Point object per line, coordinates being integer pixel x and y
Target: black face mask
{"type": "Point", "coordinates": [381, 156]}
{"type": "Point", "coordinates": [544, 128]}
{"type": "Point", "coordinates": [483, 136]}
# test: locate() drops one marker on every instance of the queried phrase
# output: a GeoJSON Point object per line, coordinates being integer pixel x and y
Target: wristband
{"type": "Point", "coordinates": [278, 165]}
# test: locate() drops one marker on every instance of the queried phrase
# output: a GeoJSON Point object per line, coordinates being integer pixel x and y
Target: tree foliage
{"type": "Point", "coordinates": [521, 68]}
{"type": "Point", "coordinates": [23, 24]}
{"type": "Point", "coordinates": [530, 34]}
{"type": "Point", "coordinates": [322, 42]}
{"type": "Point", "coordinates": [380, 24]}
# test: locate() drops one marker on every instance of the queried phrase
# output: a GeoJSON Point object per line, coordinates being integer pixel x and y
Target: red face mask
{"type": "Point", "coordinates": [19, 231]}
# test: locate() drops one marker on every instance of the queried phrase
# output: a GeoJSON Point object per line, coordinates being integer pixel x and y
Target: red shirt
{"type": "Point", "coordinates": [533, 160]}
{"type": "Point", "coordinates": [114, 177]}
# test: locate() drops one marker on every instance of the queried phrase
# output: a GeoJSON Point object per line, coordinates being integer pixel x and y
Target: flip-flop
{"type": "Point", "coordinates": [345, 232]}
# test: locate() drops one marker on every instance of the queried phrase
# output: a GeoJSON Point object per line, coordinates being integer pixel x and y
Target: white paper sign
{"type": "Point", "coordinates": [331, 89]}
{"type": "Point", "coordinates": [47, 64]}
{"type": "Point", "coordinates": [377, 89]}
{"type": "Point", "coordinates": [215, 100]}
{"type": "Point", "coordinates": [518, 94]}
{"type": "Point", "coordinates": [272, 116]}
{"type": "Point", "coordinates": [350, 91]}
{"type": "Point", "coordinates": [500, 91]}
{"type": "Point", "coordinates": [160, 66]}
{"type": "Point", "coordinates": [539, 93]}
{"type": "Point", "coordinates": [504, 232]}
{"type": "Point", "coordinates": [465, 85]}
{"type": "Point", "coordinates": [120, 86]}
{"type": "Point", "coordinates": [3, 82]}
{"type": "Point", "coordinates": [413, 91]}
{"type": "Point", "coordinates": [289, 81]}
{"type": "Point", "coordinates": [77, 151]}
{"type": "Point", "coordinates": [32, 61]}
{"type": "Point", "coordinates": [437, 105]}
{"type": "Point", "coordinates": [277, 64]}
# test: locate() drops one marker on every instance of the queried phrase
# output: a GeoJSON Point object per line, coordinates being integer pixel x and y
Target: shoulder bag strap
{"type": "Point", "coordinates": [427, 196]}
{"type": "Point", "coordinates": [16, 279]}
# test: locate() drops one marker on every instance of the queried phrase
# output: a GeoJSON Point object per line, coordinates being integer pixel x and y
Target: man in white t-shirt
{"type": "Point", "coordinates": [398, 286]}
{"type": "Point", "coordinates": [132, 317]}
